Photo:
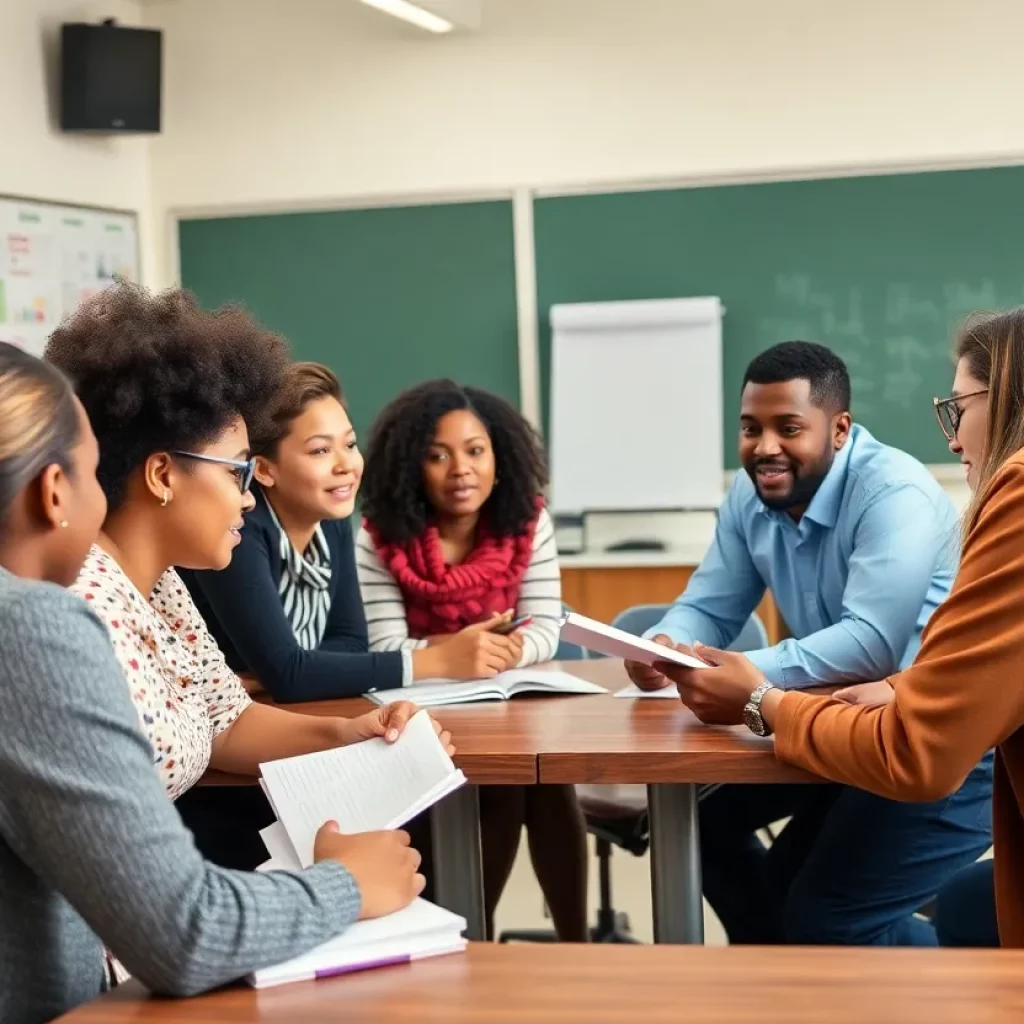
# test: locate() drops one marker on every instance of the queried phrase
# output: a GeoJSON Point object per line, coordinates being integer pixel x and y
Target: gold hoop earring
{"type": "Point", "coordinates": [166, 499]}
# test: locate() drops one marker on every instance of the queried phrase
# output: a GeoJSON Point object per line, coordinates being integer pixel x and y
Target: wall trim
{"type": "Point", "coordinates": [713, 178]}
{"type": "Point", "coordinates": [526, 306]}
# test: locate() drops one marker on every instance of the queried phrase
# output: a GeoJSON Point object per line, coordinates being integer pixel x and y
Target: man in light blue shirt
{"type": "Point", "coordinates": [858, 545]}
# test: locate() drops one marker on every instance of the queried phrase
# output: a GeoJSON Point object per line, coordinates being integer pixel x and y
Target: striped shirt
{"type": "Point", "coordinates": [305, 586]}
{"type": "Point", "coordinates": [540, 598]}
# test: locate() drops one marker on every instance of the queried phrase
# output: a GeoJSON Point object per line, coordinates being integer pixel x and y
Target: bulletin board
{"type": "Point", "coordinates": [52, 257]}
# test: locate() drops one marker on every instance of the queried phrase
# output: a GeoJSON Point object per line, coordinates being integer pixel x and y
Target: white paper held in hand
{"type": "Point", "coordinates": [617, 643]}
{"type": "Point", "coordinates": [364, 787]}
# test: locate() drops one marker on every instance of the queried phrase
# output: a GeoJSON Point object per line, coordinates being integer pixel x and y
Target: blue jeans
{"type": "Point", "coordinates": [849, 868]}
{"type": "Point", "coordinates": [965, 909]}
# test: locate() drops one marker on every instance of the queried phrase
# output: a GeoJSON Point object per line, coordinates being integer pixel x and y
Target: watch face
{"type": "Point", "coordinates": [753, 721]}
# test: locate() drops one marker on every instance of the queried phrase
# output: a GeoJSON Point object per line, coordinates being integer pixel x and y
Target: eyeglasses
{"type": "Point", "coordinates": [948, 412]}
{"type": "Point", "coordinates": [244, 470]}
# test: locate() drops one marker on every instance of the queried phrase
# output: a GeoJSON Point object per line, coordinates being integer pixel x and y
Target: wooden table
{"type": "Point", "coordinates": [610, 984]}
{"type": "Point", "coordinates": [590, 739]}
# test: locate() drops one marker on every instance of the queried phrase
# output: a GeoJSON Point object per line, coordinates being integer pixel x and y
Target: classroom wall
{"type": "Point", "coordinates": [39, 161]}
{"type": "Point", "coordinates": [292, 103]}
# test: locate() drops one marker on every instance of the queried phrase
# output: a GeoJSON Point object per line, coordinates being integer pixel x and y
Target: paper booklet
{"type": "Point", "coordinates": [503, 686]}
{"type": "Point", "coordinates": [364, 787]}
{"type": "Point", "coordinates": [417, 931]}
{"type": "Point", "coordinates": [617, 643]}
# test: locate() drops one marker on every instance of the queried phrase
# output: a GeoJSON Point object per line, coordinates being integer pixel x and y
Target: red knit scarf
{"type": "Point", "coordinates": [441, 598]}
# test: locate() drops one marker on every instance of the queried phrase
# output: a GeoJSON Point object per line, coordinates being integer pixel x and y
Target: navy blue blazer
{"type": "Point", "coordinates": [242, 607]}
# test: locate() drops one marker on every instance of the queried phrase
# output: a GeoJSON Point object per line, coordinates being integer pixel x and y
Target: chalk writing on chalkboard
{"type": "Point", "coordinates": [895, 339]}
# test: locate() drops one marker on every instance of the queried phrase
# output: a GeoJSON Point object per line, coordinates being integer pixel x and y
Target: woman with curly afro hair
{"type": "Point", "coordinates": [170, 390]}
{"type": "Point", "coordinates": [456, 541]}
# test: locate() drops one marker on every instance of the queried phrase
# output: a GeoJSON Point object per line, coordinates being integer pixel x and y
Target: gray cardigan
{"type": "Point", "coordinates": [91, 850]}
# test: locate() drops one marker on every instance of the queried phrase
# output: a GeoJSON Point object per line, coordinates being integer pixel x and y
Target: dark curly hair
{"type": "Point", "coordinates": [393, 496]}
{"type": "Point", "coordinates": [156, 374]}
{"type": "Point", "coordinates": [804, 360]}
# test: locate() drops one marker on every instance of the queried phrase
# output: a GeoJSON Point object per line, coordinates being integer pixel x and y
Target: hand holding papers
{"type": "Point", "coordinates": [364, 787]}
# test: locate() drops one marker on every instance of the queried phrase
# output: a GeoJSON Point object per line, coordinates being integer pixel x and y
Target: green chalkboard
{"type": "Point", "coordinates": [879, 268]}
{"type": "Point", "coordinates": [386, 297]}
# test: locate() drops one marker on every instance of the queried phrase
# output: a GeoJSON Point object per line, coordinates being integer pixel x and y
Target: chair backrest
{"type": "Point", "coordinates": [567, 651]}
{"type": "Point", "coordinates": [753, 636]}
{"type": "Point", "coordinates": [640, 618]}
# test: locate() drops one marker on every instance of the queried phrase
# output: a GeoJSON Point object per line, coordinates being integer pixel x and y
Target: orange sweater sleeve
{"type": "Point", "coordinates": [963, 695]}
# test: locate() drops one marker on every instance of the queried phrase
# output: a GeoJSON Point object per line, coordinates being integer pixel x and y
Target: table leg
{"type": "Point", "coordinates": [675, 863]}
{"type": "Point", "coordinates": [458, 871]}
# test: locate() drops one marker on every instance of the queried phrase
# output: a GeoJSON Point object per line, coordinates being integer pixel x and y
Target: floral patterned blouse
{"type": "Point", "coordinates": [183, 690]}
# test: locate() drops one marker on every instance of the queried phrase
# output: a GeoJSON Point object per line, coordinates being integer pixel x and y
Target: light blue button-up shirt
{"type": "Point", "coordinates": [855, 580]}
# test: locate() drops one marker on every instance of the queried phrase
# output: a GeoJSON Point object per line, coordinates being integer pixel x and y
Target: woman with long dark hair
{"type": "Point", "coordinates": [456, 541]}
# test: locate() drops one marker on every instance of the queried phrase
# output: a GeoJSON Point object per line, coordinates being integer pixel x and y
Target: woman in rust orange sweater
{"type": "Point", "coordinates": [916, 735]}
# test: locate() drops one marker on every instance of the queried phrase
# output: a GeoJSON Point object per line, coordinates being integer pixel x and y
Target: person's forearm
{"type": "Point", "coordinates": [845, 653]}
{"type": "Point", "coordinates": [262, 733]}
{"type": "Point", "coordinates": [430, 662]}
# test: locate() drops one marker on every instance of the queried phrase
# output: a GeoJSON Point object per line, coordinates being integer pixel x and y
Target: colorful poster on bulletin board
{"type": "Point", "coordinates": [52, 258]}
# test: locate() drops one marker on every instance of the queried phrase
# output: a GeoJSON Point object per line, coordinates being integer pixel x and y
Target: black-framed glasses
{"type": "Point", "coordinates": [246, 469]}
{"type": "Point", "coordinates": [948, 413]}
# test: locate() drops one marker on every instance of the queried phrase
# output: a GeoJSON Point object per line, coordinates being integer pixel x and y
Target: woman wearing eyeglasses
{"type": "Point", "coordinates": [169, 390]}
{"type": "Point", "coordinates": [918, 734]}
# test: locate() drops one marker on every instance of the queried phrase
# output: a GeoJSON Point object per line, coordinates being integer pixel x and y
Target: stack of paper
{"type": "Point", "coordinates": [420, 930]}
{"type": "Point", "coordinates": [431, 693]}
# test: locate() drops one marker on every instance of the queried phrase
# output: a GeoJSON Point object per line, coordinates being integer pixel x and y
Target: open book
{"type": "Point", "coordinates": [419, 930]}
{"type": "Point", "coordinates": [501, 687]}
{"type": "Point", "coordinates": [617, 643]}
{"type": "Point", "coordinates": [364, 787]}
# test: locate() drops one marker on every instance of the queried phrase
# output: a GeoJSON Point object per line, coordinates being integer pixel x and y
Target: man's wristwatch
{"type": "Point", "coordinates": [752, 711]}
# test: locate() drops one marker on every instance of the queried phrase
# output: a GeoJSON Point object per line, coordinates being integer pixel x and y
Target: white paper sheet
{"type": "Point", "coordinates": [665, 693]}
{"type": "Point", "coordinates": [279, 846]}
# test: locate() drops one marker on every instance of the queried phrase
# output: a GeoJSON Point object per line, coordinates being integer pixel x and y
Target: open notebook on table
{"type": "Point", "coordinates": [363, 787]}
{"type": "Point", "coordinates": [503, 686]}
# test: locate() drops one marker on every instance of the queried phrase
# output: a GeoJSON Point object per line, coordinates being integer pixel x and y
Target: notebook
{"type": "Point", "coordinates": [617, 643]}
{"type": "Point", "coordinates": [501, 687]}
{"type": "Point", "coordinates": [417, 931]}
{"type": "Point", "coordinates": [364, 787]}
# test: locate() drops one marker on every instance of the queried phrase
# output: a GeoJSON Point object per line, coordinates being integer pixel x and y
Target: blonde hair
{"type": "Point", "coordinates": [301, 384]}
{"type": "Point", "coordinates": [38, 422]}
{"type": "Point", "coordinates": [992, 346]}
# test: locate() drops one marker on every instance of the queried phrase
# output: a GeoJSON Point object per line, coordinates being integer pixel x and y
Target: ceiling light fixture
{"type": "Point", "coordinates": [409, 12]}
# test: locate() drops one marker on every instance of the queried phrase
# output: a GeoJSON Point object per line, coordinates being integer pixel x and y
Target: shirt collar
{"type": "Point", "coordinates": [826, 503]}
